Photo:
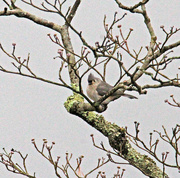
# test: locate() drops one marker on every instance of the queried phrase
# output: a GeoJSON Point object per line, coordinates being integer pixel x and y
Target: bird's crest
{"type": "Point", "coordinates": [91, 77]}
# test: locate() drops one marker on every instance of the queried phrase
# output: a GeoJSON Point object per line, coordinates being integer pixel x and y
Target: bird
{"type": "Point", "coordinates": [97, 88]}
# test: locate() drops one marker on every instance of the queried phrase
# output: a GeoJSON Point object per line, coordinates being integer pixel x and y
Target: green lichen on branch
{"type": "Point", "coordinates": [143, 162]}
{"type": "Point", "coordinates": [71, 100]}
{"type": "Point", "coordinates": [75, 98]}
{"type": "Point", "coordinates": [116, 136]}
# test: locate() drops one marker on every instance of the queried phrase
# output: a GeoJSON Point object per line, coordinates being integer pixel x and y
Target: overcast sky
{"type": "Point", "coordinates": [33, 109]}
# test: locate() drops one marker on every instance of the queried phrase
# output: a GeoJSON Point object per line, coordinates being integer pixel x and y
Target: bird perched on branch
{"type": "Point", "coordinates": [97, 88]}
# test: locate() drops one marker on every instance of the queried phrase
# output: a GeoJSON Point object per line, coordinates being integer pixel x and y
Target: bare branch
{"type": "Point", "coordinates": [22, 14]}
{"type": "Point", "coordinates": [73, 11]}
{"type": "Point", "coordinates": [132, 8]}
{"type": "Point", "coordinates": [175, 104]}
{"type": "Point", "coordinates": [7, 159]}
{"type": "Point", "coordinates": [152, 148]}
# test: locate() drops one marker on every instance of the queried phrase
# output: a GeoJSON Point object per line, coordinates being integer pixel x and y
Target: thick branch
{"type": "Point", "coordinates": [71, 59]}
{"type": "Point", "coordinates": [117, 140]}
{"type": "Point", "coordinates": [23, 14]}
{"type": "Point", "coordinates": [75, 105]}
{"type": "Point", "coordinates": [164, 84]}
{"type": "Point", "coordinates": [73, 11]}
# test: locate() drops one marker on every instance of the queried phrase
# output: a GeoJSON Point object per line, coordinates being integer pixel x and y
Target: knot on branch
{"type": "Point", "coordinates": [5, 10]}
{"type": "Point", "coordinates": [118, 140]}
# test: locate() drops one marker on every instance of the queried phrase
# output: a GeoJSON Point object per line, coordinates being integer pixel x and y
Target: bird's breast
{"type": "Point", "coordinates": [92, 93]}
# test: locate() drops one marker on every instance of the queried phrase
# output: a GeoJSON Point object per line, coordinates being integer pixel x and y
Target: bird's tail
{"type": "Point", "coordinates": [129, 96]}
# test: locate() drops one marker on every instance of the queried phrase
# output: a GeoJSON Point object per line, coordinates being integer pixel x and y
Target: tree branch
{"type": "Point", "coordinates": [40, 21]}
{"type": "Point", "coordinates": [73, 11]}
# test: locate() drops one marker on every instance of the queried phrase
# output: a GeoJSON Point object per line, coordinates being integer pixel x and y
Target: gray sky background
{"type": "Point", "coordinates": [33, 109]}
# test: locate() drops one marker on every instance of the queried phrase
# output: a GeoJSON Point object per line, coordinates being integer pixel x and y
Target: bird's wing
{"type": "Point", "coordinates": [103, 88]}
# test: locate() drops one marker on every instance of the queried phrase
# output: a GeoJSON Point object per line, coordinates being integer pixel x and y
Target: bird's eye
{"type": "Point", "coordinates": [90, 82]}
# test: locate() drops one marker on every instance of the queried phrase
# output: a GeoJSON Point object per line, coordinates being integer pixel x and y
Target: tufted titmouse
{"type": "Point", "coordinates": [97, 88]}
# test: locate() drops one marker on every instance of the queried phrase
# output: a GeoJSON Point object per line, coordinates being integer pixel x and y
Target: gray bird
{"type": "Point", "coordinates": [97, 88]}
